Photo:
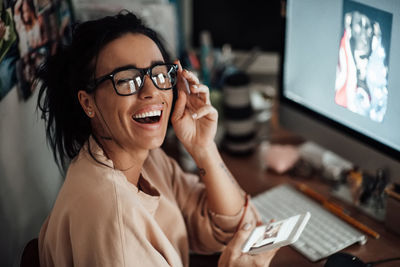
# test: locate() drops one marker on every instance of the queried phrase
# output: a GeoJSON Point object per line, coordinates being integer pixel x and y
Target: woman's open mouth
{"type": "Point", "coordinates": [148, 117]}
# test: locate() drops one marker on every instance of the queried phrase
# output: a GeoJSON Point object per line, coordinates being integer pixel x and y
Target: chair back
{"type": "Point", "coordinates": [30, 255]}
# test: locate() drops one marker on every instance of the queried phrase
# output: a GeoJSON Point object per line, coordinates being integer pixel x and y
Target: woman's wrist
{"type": "Point", "coordinates": [204, 153]}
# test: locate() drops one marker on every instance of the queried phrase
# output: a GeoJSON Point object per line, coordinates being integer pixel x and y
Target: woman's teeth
{"type": "Point", "coordinates": [148, 117]}
{"type": "Point", "coordinates": [147, 114]}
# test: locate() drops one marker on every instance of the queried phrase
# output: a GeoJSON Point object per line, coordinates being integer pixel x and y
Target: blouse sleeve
{"type": "Point", "coordinates": [208, 231]}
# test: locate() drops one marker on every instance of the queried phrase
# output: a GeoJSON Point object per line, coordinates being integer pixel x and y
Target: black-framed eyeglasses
{"type": "Point", "coordinates": [129, 80]}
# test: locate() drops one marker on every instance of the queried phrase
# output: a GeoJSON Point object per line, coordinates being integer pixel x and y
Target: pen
{"type": "Point", "coordinates": [337, 210]}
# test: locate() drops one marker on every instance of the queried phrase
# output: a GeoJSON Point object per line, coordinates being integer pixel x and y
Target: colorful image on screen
{"type": "Point", "coordinates": [362, 70]}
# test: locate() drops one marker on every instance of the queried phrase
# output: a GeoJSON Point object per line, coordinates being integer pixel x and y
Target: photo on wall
{"type": "Point", "coordinates": [362, 71]}
{"type": "Point", "coordinates": [41, 27]}
{"type": "Point", "coordinates": [26, 70]}
{"type": "Point", "coordinates": [8, 49]}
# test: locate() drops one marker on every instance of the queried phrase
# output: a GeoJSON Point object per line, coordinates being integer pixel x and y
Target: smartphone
{"type": "Point", "coordinates": [276, 234]}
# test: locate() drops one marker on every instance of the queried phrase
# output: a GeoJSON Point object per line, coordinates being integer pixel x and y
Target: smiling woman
{"type": "Point", "coordinates": [107, 99]}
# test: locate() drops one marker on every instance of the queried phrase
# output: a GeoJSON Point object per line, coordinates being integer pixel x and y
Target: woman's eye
{"type": "Point", "coordinates": [160, 77]}
{"type": "Point", "coordinates": [123, 81]}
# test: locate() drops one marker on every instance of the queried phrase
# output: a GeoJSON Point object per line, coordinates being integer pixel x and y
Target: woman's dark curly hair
{"type": "Point", "coordinates": [72, 69]}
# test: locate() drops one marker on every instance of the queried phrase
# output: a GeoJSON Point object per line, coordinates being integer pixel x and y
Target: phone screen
{"type": "Point", "coordinates": [276, 234]}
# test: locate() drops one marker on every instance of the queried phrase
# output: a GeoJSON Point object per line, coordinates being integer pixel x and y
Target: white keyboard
{"type": "Point", "coordinates": [324, 234]}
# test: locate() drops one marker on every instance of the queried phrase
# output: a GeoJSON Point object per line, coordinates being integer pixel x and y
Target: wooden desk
{"type": "Point", "coordinates": [251, 175]}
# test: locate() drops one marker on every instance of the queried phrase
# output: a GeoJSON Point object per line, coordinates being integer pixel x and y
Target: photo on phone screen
{"type": "Point", "coordinates": [270, 235]}
{"type": "Point", "coordinates": [276, 234]}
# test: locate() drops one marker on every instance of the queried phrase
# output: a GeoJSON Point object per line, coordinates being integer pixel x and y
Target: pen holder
{"type": "Point", "coordinates": [392, 219]}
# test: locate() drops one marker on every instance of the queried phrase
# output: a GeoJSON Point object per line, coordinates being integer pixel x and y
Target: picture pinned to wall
{"type": "Point", "coordinates": [64, 21]}
{"type": "Point", "coordinates": [26, 69]}
{"type": "Point", "coordinates": [41, 27]}
{"type": "Point", "coordinates": [8, 49]}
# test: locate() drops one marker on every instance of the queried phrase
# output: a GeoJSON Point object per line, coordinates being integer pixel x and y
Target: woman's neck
{"type": "Point", "coordinates": [128, 161]}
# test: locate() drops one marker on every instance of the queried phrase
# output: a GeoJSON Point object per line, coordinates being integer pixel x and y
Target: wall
{"type": "Point", "coordinates": [29, 178]}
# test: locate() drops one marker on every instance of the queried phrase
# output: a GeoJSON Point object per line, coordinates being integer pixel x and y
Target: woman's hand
{"type": "Point", "coordinates": [232, 256]}
{"type": "Point", "coordinates": [194, 119]}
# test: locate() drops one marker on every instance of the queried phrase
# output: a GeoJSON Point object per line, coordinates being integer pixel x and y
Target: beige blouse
{"type": "Point", "coordinates": [100, 219]}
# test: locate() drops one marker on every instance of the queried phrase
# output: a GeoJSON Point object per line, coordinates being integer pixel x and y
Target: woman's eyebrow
{"type": "Point", "coordinates": [153, 62]}
{"type": "Point", "coordinates": [124, 67]}
{"type": "Point", "coordinates": [117, 69]}
{"type": "Point", "coordinates": [128, 66]}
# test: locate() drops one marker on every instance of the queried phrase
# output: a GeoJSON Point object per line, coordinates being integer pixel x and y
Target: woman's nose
{"type": "Point", "coordinates": [149, 90]}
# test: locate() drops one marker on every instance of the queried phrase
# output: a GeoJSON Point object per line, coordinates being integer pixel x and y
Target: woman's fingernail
{"type": "Point", "coordinates": [246, 226]}
{"type": "Point", "coordinates": [194, 115]}
{"type": "Point", "coordinates": [195, 86]}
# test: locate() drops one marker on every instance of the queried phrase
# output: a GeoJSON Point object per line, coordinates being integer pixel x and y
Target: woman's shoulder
{"type": "Point", "coordinates": [91, 189]}
{"type": "Point", "coordinates": [91, 181]}
{"type": "Point", "coordinates": [85, 169]}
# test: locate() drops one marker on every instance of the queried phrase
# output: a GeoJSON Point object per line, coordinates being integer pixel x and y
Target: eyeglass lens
{"type": "Point", "coordinates": [131, 80]}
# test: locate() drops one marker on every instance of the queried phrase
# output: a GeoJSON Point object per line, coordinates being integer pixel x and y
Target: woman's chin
{"type": "Point", "coordinates": [155, 145]}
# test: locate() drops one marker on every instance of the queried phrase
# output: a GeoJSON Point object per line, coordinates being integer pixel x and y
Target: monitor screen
{"type": "Point", "coordinates": [341, 68]}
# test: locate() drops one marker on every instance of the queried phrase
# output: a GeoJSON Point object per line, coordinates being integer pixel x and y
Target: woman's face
{"type": "Point", "coordinates": [118, 116]}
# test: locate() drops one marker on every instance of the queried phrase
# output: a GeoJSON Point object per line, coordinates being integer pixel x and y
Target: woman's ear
{"type": "Point", "coordinates": [86, 102]}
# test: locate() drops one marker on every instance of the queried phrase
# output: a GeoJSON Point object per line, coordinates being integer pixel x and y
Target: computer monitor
{"type": "Point", "coordinates": [341, 79]}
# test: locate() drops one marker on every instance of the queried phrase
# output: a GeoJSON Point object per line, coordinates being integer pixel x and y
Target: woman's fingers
{"type": "Point", "coordinates": [195, 87]}
{"type": "Point", "coordinates": [202, 92]}
{"type": "Point", "coordinates": [190, 83]}
{"type": "Point", "coordinates": [179, 65]}
{"type": "Point", "coordinates": [206, 110]}
{"type": "Point", "coordinates": [243, 233]}
{"type": "Point", "coordinates": [190, 76]}
{"type": "Point", "coordinates": [180, 104]}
